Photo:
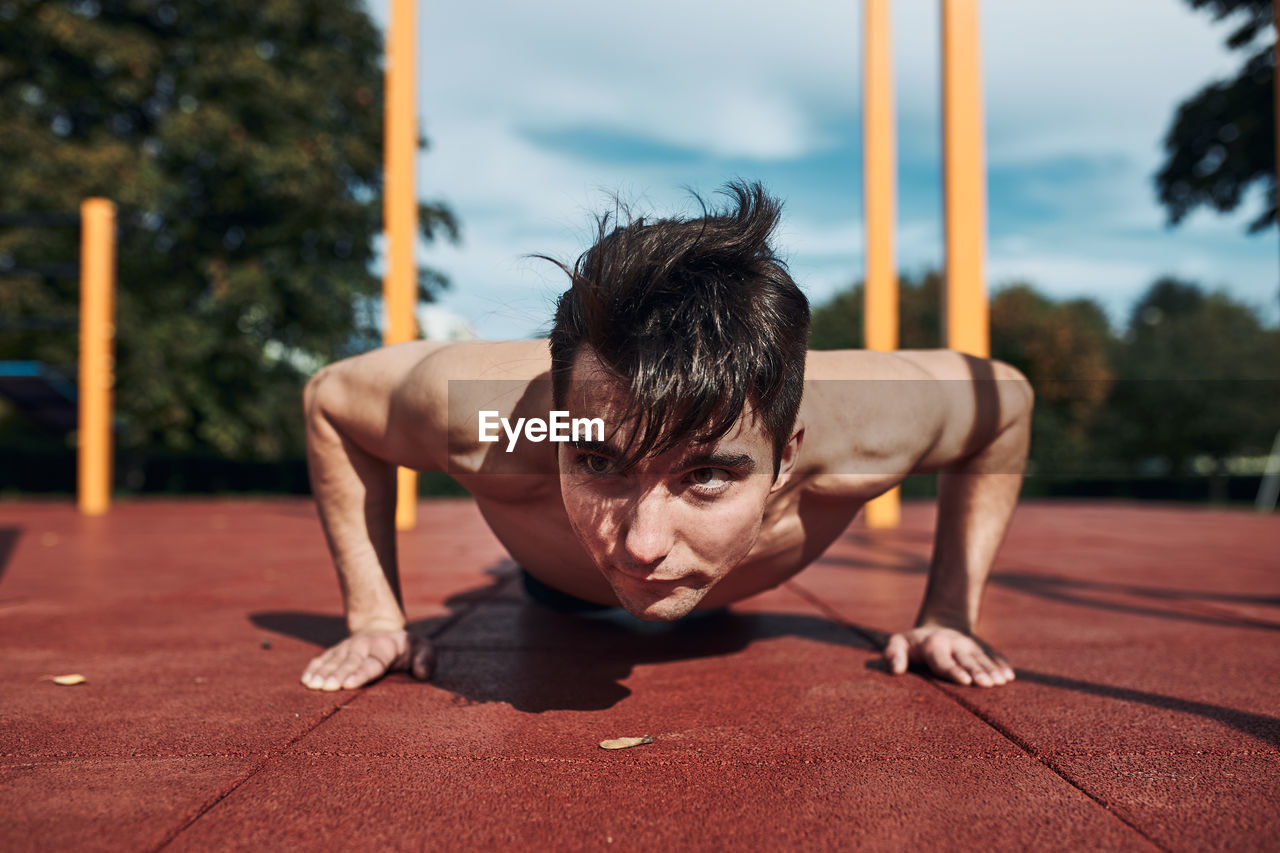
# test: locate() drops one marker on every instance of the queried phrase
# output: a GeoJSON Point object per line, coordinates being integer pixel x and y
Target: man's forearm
{"type": "Point", "coordinates": [975, 503]}
{"type": "Point", "coordinates": [355, 493]}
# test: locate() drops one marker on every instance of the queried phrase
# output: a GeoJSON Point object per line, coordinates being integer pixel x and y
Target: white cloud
{"type": "Point", "coordinates": [753, 82]}
{"type": "Point", "coordinates": [1114, 270]}
{"type": "Point", "coordinates": [1093, 76]}
{"type": "Point", "coordinates": [729, 79]}
{"type": "Point", "coordinates": [801, 237]}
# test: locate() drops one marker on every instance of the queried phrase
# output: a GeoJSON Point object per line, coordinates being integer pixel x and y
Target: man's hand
{"type": "Point", "coordinates": [949, 654]}
{"type": "Point", "coordinates": [368, 655]}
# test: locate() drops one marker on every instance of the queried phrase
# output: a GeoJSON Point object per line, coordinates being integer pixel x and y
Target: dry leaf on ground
{"type": "Point", "coordinates": [624, 742]}
{"type": "Point", "coordinates": [66, 680]}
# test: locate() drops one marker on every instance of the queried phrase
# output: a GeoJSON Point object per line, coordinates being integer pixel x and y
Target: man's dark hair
{"type": "Point", "coordinates": [697, 316]}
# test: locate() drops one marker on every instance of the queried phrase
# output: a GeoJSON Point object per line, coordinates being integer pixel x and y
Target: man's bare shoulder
{"type": "Point", "coordinates": [477, 374]}
{"type": "Point", "coordinates": [506, 380]}
{"type": "Point", "coordinates": [398, 402]}
{"type": "Point", "coordinates": [885, 415]}
{"type": "Point", "coordinates": [486, 360]}
{"type": "Point", "coordinates": [850, 364]}
{"type": "Point", "coordinates": [867, 420]}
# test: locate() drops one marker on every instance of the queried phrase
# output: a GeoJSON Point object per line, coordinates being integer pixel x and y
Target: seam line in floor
{"type": "Point", "coordinates": [877, 642]}
{"type": "Point", "coordinates": [274, 754]}
{"type": "Point", "coordinates": [267, 759]}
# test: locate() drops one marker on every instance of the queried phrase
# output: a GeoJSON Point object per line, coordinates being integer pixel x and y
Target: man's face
{"type": "Point", "coordinates": [664, 532]}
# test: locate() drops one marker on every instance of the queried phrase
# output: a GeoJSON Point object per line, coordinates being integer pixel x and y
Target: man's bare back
{"type": "Point", "coordinates": [866, 421]}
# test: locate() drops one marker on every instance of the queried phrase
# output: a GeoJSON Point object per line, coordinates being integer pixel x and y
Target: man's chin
{"type": "Point", "coordinates": [660, 604]}
{"type": "Point", "coordinates": [661, 611]}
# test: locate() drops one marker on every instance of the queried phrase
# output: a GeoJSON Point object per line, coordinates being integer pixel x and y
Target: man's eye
{"type": "Point", "coordinates": [594, 464]}
{"type": "Point", "coordinates": [714, 478]}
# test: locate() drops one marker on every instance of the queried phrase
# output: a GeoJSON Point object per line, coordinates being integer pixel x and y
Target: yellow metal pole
{"type": "Point", "coordinates": [97, 354]}
{"type": "Point", "coordinates": [879, 176]}
{"type": "Point", "coordinates": [400, 208]}
{"type": "Point", "coordinates": [965, 177]}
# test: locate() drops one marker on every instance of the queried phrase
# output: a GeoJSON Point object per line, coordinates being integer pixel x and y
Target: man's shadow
{"type": "Point", "coordinates": [498, 645]}
{"type": "Point", "coordinates": [9, 537]}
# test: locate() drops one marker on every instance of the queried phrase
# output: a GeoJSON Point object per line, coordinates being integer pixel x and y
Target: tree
{"type": "Point", "coordinates": [1064, 349]}
{"type": "Point", "coordinates": [1195, 375]}
{"type": "Point", "coordinates": [838, 323]}
{"type": "Point", "coordinates": [242, 140]}
{"type": "Point", "coordinates": [1222, 139]}
{"type": "Point", "coordinates": [1199, 378]}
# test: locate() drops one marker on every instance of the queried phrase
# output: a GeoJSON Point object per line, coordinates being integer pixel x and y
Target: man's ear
{"type": "Point", "coordinates": [790, 454]}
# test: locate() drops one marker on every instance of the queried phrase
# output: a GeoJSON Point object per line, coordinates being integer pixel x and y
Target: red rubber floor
{"type": "Point", "coordinates": [1146, 714]}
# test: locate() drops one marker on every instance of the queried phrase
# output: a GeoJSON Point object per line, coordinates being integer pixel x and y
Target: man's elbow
{"type": "Point", "coordinates": [311, 392]}
{"type": "Point", "coordinates": [1017, 396]}
{"type": "Point", "coordinates": [321, 396]}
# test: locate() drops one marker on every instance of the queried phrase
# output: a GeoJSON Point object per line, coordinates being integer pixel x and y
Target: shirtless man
{"type": "Point", "coordinates": [723, 464]}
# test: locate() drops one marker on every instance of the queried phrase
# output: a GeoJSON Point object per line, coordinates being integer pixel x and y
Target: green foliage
{"type": "Point", "coordinates": [1194, 374]}
{"type": "Point", "coordinates": [1222, 139]}
{"type": "Point", "coordinates": [242, 142]}
{"type": "Point", "coordinates": [1201, 377]}
{"type": "Point", "coordinates": [1064, 349]}
{"type": "Point", "coordinates": [838, 324]}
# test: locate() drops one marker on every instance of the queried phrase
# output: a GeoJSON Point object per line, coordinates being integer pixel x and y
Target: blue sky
{"type": "Point", "coordinates": [535, 112]}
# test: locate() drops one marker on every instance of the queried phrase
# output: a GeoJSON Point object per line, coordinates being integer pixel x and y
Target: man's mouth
{"type": "Point", "coordinates": [654, 581]}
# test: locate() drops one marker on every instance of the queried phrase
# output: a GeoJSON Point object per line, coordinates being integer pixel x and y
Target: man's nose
{"type": "Point", "coordinates": [649, 535]}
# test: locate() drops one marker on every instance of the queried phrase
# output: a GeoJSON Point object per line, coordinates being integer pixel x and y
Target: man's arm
{"type": "Point", "coordinates": [358, 416]}
{"type": "Point", "coordinates": [981, 456]}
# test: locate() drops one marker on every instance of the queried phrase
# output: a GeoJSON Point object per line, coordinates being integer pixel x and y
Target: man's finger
{"type": "Point", "coordinates": [971, 664]}
{"type": "Point", "coordinates": [321, 675]}
{"type": "Point", "coordinates": [895, 652]}
{"type": "Point", "coordinates": [999, 661]}
{"type": "Point", "coordinates": [310, 672]}
{"type": "Point", "coordinates": [1003, 665]}
{"type": "Point", "coordinates": [315, 673]}
{"type": "Point", "coordinates": [994, 670]}
{"type": "Point", "coordinates": [317, 664]}
{"type": "Point", "coordinates": [938, 656]}
{"type": "Point", "coordinates": [369, 669]}
{"type": "Point", "coordinates": [322, 666]}
{"type": "Point", "coordinates": [423, 662]}
{"type": "Point", "coordinates": [337, 676]}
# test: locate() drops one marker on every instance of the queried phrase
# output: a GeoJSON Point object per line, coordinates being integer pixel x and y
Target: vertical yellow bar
{"type": "Point", "coordinates": [879, 176]}
{"type": "Point", "coordinates": [965, 178]}
{"type": "Point", "coordinates": [97, 354]}
{"type": "Point", "coordinates": [400, 208]}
